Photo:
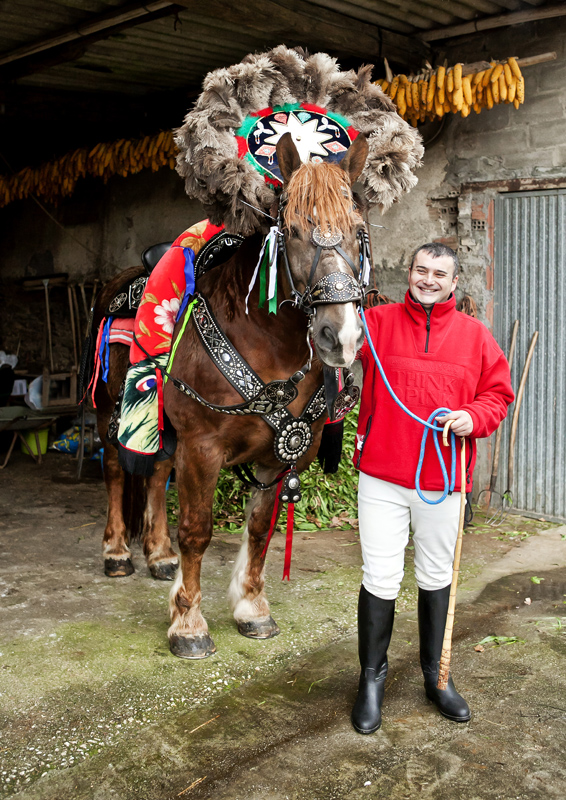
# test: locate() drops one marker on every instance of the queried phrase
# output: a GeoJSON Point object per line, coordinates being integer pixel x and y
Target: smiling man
{"type": "Point", "coordinates": [434, 357]}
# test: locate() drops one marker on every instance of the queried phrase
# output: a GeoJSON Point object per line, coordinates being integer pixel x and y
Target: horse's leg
{"type": "Point", "coordinates": [117, 556]}
{"type": "Point", "coordinates": [161, 558]}
{"type": "Point", "coordinates": [246, 593]}
{"type": "Point", "coordinates": [197, 474]}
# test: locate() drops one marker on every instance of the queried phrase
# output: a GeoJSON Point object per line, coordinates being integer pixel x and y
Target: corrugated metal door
{"type": "Point", "coordinates": [530, 276]}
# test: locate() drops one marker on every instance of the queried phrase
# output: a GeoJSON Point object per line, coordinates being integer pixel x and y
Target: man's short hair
{"type": "Point", "coordinates": [436, 249]}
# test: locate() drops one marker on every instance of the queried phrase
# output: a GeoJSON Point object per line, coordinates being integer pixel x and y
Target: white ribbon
{"type": "Point", "coordinates": [272, 236]}
{"type": "Point", "coordinates": [366, 268]}
{"type": "Point", "coordinates": [269, 244]}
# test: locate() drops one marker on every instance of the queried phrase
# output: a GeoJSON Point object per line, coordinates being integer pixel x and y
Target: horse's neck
{"type": "Point", "coordinates": [227, 288]}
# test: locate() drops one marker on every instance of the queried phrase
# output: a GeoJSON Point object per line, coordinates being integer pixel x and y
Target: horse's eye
{"type": "Point", "coordinates": [294, 232]}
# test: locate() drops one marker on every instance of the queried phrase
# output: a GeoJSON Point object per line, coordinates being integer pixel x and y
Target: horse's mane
{"type": "Point", "coordinates": [319, 193]}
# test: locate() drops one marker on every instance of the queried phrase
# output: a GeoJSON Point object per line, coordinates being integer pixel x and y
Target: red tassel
{"type": "Point", "coordinates": [289, 541]}
{"type": "Point", "coordinates": [159, 389]}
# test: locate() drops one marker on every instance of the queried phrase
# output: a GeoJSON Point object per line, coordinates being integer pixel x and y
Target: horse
{"type": "Point", "coordinates": [317, 201]}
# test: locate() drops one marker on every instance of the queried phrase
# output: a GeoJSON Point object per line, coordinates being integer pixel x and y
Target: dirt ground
{"type": "Point", "coordinates": [93, 705]}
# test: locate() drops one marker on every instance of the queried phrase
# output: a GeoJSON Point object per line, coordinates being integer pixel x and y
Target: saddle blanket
{"type": "Point", "coordinates": [122, 331]}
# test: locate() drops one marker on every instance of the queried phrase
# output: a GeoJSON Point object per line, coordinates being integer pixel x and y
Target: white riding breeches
{"type": "Point", "coordinates": [386, 513]}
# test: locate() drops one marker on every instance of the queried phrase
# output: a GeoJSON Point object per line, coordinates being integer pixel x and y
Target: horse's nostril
{"type": "Point", "coordinates": [328, 336]}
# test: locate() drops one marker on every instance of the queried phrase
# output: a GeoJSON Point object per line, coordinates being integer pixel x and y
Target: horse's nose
{"type": "Point", "coordinates": [328, 337]}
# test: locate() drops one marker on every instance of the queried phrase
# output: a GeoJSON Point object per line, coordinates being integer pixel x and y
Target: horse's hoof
{"type": "Point", "coordinates": [199, 646]}
{"type": "Point", "coordinates": [164, 570]}
{"type": "Point", "coordinates": [259, 629]}
{"type": "Point", "coordinates": [118, 567]}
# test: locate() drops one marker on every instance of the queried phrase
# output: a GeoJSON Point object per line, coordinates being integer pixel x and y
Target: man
{"type": "Point", "coordinates": [434, 357]}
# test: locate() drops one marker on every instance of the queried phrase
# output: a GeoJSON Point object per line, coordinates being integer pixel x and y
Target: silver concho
{"type": "Point", "coordinates": [292, 441]}
{"type": "Point", "coordinates": [118, 302]}
{"type": "Point", "coordinates": [335, 288]}
{"type": "Point", "coordinates": [326, 238]}
{"type": "Point", "coordinates": [346, 401]}
{"type": "Point", "coordinates": [136, 291]}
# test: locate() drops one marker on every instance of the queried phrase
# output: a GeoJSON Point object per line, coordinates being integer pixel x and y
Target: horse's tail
{"type": "Point", "coordinates": [86, 366]}
{"type": "Point", "coordinates": [134, 500]}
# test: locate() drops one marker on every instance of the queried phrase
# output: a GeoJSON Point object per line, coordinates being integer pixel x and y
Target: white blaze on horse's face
{"type": "Point", "coordinates": [336, 329]}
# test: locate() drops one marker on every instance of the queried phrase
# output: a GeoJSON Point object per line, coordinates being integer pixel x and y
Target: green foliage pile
{"type": "Point", "coordinates": [328, 501]}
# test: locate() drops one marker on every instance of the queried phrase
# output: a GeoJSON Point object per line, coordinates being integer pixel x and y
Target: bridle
{"type": "Point", "coordinates": [334, 287]}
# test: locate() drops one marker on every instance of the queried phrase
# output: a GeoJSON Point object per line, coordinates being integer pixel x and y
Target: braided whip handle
{"type": "Point", "coordinates": [444, 666]}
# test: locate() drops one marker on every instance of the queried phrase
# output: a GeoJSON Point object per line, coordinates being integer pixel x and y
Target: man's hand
{"type": "Point", "coordinates": [463, 424]}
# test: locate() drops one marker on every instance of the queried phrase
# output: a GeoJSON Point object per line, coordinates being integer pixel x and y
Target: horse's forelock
{"type": "Point", "coordinates": [321, 193]}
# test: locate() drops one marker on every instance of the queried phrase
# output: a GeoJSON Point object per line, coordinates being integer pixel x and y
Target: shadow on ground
{"type": "Point", "coordinates": [94, 706]}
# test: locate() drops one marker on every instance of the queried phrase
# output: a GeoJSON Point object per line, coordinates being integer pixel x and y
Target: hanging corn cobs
{"type": "Point", "coordinates": [58, 178]}
{"type": "Point", "coordinates": [433, 93]}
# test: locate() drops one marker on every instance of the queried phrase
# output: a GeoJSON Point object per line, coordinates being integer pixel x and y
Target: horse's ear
{"type": "Point", "coordinates": [355, 159]}
{"type": "Point", "coordinates": [288, 157]}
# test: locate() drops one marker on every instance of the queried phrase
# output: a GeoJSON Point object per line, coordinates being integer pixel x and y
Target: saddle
{"type": "Point", "coordinates": [215, 252]}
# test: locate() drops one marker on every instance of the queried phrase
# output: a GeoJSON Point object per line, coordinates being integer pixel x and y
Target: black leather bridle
{"type": "Point", "coordinates": [334, 287]}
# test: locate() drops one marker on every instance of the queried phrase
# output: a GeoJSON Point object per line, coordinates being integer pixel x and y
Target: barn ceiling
{"type": "Point", "coordinates": [89, 69]}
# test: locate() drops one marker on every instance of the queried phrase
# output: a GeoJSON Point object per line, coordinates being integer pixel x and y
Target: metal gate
{"type": "Point", "coordinates": [530, 278]}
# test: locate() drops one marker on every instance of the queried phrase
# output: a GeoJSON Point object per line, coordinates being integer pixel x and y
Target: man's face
{"type": "Point", "coordinates": [431, 279]}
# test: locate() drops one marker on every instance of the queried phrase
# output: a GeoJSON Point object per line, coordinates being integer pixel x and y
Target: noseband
{"type": "Point", "coordinates": [334, 287]}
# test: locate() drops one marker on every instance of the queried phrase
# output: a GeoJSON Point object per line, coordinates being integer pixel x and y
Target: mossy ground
{"type": "Point", "coordinates": [87, 676]}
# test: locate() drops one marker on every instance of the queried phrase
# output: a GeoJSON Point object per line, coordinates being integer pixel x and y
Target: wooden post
{"type": "Point", "coordinates": [444, 667]}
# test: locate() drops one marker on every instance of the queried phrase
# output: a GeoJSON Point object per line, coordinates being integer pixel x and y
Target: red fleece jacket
{"type": "Point", "coordinates": [443, 358]}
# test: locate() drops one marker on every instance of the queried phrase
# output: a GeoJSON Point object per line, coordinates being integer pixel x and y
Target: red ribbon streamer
{"type": "Point", "coordinates": [289, 541]}
{"type": "Point", "coordinates": [96, 370]}
{"type": "Point", "coordinates": [159, 389]}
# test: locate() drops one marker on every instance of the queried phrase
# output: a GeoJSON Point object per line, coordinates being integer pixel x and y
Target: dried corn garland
{"type": "Point", "coordinates": [433, 93]}
{"type": "Point", "coordinates": [425, 96]}
{"type": "Point", "coordinates": [58, 178]}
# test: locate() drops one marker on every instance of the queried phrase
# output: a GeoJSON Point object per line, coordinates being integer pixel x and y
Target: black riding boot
{"type": "Point", "coordinates": [375, 624]}
{"type": "Point", "coordinates": [433, 608]}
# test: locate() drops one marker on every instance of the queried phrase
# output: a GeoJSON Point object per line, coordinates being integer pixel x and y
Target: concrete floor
{"type": "Point", "coordinates": [93, 705]}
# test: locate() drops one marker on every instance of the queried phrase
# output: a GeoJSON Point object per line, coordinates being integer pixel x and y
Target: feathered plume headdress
{"type": "Point", "coordinates": [227, 142]}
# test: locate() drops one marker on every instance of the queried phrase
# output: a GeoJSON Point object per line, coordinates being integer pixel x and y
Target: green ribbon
{"type": "Point", "coordinates": [188, 313]}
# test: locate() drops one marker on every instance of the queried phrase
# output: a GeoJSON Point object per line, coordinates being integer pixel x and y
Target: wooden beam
{"type": "Point", "coordinates": [299, 22]}
{"type": "Point", "coordinates": [132, 14]}
{"type": "Point", "coordinates": [478, 66]}
{"type": "Point", "coordinates": [500, 21]}
{"type": "Point", "coordinates": [48, 53]}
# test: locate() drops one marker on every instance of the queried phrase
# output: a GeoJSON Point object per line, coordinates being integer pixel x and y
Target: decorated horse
{"type": "Point", "coordinates": [246, 328]}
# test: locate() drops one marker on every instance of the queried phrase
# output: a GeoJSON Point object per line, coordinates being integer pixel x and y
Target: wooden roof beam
{"type": "Point", "coordinates": [500, 21]}
{"type": "Point", "coordinates": [300, 22]}
{"type": "Point", "coordinates": [70, 45]}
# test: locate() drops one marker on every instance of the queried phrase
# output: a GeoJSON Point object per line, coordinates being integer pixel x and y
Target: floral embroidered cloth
{"type": "Point", "coordinates": [144, 433]}
{"type": "Point", "coordinates": [168, 291]}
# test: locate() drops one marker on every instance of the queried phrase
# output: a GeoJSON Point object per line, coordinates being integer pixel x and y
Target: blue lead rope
{"type": "Point", "coordinates": [428, 426]}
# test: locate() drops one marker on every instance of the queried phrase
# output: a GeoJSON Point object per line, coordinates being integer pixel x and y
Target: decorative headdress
{"type": "Point", "coordinates": [227, 142]}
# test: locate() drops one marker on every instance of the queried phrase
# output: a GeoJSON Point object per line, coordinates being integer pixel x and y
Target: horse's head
{"type": "Point", "coordinates": [323, 231]}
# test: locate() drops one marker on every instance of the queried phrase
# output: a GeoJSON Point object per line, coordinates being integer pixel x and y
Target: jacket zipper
{"type": "Point", "coordinates": [368, 426]}
{"type": "Point", "coordinates": [427, 329]}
